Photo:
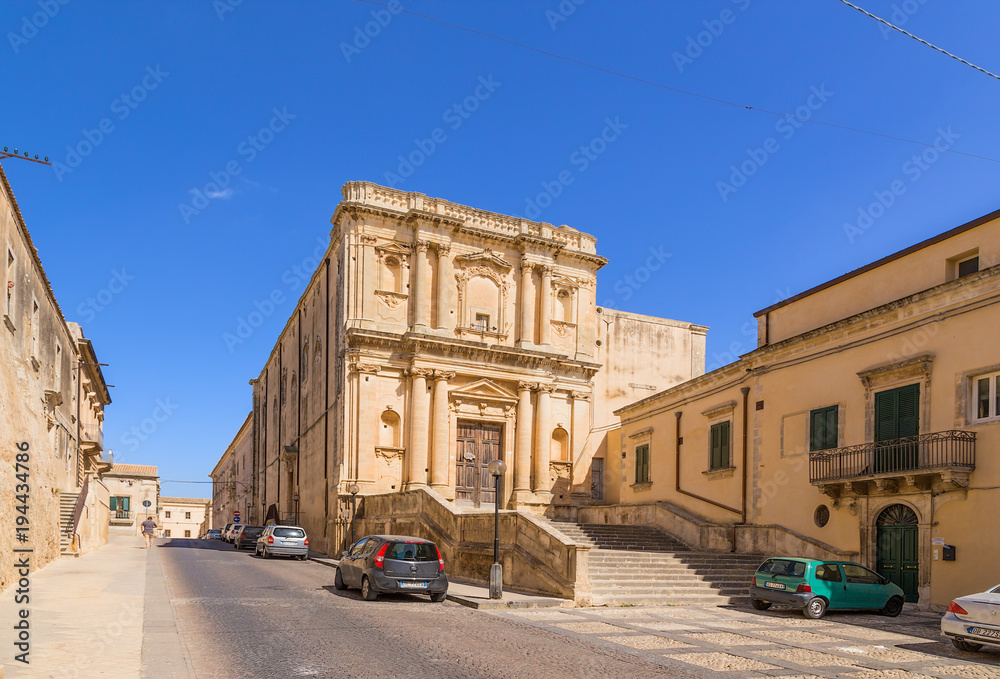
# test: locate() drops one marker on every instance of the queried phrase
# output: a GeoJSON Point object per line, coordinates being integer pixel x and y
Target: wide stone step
{"type": "Point", "coordinates": [687, 600]}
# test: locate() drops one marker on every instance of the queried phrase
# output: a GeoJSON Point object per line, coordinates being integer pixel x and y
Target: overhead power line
{"type": "Point", "coordinates": [677, 90]}
{"type": "Point", "coordinates": [921, 40]}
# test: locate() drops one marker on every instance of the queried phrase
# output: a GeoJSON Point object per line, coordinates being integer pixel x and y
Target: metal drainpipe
{"type": "Point", "coordinates": [677, 479]}
{"type": "Point", "coordinates": [743, 492]}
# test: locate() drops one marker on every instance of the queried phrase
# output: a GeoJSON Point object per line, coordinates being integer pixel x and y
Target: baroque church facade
{"type": "Point", "coordinates": [434, 338]}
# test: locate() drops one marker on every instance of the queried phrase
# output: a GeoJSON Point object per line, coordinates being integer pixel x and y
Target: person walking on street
{"type": "Point", "coordinates": [148, 526]}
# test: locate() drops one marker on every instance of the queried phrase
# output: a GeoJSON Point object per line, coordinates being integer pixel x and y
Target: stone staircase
{"type": "Point", "coordinates": [67, 503]}
{"type": "Point", "coordinates": [641, 565]}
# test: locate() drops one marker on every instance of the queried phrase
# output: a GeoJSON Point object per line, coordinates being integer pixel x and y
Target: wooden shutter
{"type": "Point", "coordinates": [725, 445]}
{"type": "Point", "coordinates": [823, 428]}
{"type": "Point", "coordinates": [113, 503]}
{"type": "Point", "coordinates": [125, 504]}
{"type": "Point", "coordinates": [909, 417]}
{"type": "Point", "coordinates": [886, 415]}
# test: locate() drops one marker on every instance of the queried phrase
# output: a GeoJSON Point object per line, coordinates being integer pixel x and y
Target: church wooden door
{"type": "Point", "coordinates": [478, 445]}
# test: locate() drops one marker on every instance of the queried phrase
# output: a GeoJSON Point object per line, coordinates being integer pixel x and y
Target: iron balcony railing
{"type": "Point", "coordinates": [122, 514]}
{"type": "Point", "coordinates": [911, 454]}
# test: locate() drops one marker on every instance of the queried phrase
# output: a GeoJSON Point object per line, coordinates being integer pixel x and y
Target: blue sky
{"type": "Point", "coordinates": [202, 147]}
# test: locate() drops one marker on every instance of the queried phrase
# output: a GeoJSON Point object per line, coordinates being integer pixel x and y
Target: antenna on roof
{"type": "Point", "coordinates": [7, 153]}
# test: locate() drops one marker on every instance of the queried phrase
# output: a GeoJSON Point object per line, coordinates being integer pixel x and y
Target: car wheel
{"type": "Point", "coordinates": [439, 596]}
{"type": "Point", "coordinates": [760, 605]}
{"type": "Point", "coordinates": [338, 581]}
{"type": "Point", "coordinates": [367, 593]}
{"type": "Point", "coordinates": [303, 557]}
{"type": "Point", "coordinates": [893, 607]}
{"type": "Point", "coordinates": [815, 608]}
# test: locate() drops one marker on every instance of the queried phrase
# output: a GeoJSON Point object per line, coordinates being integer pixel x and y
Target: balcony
{"type": "Point", "coordinates": [91, 437]}
{"type": "Point", "coordinates": [122, 517]}
{"type": "Point", "coordinates": [943, 459]}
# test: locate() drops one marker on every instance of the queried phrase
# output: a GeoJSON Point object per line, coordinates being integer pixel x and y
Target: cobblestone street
{"type": "Point", "coordinates": [746, 643]}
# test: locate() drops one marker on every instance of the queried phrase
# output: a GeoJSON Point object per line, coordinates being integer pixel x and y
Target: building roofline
{"type": "Point", "coordinates": [968, 226]}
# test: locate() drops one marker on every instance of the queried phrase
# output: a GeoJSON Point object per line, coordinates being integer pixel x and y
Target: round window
{"type": "Point", "coordinates": [822, 515]}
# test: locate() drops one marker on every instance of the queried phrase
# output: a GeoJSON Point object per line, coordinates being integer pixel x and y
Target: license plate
{"type": "Point", "coordinates": [774, 585]}
{"type": "Point", "coordinates": [983, 632]}
{"type": "Point", "coordinates": [413, 585]}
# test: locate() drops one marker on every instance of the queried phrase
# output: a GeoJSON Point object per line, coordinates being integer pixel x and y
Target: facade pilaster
{"type": "Point", "coordinates": [442, 439]}
{"type": "Point", "coordinates": [443, 320]}
{"type": "Point", "coordinates": [421, 284]}
{"type": "Point", "coordinates": [545, 308]}
{"type": "Point", "coordinates": [366, 422]}
{"type": "Point", "coordinates": [522, 441]}
{"type": "Point", "coordinates": [416, 451]}
{"type": "Point", "coordinates": [527, 302]}
{"type": "Point", "coordinates": [543, 439]}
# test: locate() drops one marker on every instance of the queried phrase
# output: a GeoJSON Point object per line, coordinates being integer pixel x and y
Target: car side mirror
{"type": "Point", "coordinates": [343, 553]}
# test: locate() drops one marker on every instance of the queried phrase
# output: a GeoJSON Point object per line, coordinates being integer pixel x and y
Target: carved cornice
{"type": "Point", "coordinates": [485, 257]}
{"type": "Point", "coordinates": [918, 367]}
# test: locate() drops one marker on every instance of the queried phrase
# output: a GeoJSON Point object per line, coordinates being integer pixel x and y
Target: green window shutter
{"type": "Point", "coordinates": [725, 445]}
{"type": "Point", "coordinates": [823, 428]}
{"type": "Point", "coordinates": [713, 462]}
{"type": "Point", "coordinates": [125, 504]}
{"type": "Point", "coordinates": [114, 503]}
{"type": "Point", "coordinates": [897, 413]}
{"type": "Point", "coordinates": [642, 463]}
{"type": "Point", "coordinates": [886, 415]}
{"type": "Point", "coordinates": [909, 418]}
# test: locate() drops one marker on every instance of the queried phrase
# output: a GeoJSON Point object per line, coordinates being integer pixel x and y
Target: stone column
{"type": "Point", "coordinates": [522, 440]}
{"type": "Point", "coordinates": [527, 335]}
{"type": "Point", "coordinates": [421, 294]}
{"type": "Point", "coordinates": [580, 478]}
{"type": "Point", "coordinates": [416, 451]}
{"type": "Point", "coordinates": [366, 422]}
{"type": "Point", "coordinates": [442, 440]}
{"type": "Point", "coordinates": [443, 286]}
{"type": "Point", "coordinates": [543, 439]}
{"type": "Point", "coordinates": [545, 308]}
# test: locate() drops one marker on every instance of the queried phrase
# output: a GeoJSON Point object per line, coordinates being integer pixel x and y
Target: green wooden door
{"type": "Point", "coordinates": [898, 548]}
{"type": "Point", "coordinates": [897, 424]}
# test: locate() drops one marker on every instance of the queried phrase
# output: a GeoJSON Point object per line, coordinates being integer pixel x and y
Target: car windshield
{"type": "Point", "coordinates": [794, 569]}
{"type": "Point", "coordinates": [289, 533]}
{"type": "Point", "coordinates": [413, 551]}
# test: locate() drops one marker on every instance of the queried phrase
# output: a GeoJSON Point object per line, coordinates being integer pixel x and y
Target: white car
{"type": "Point", "coordinates": [973, 620]}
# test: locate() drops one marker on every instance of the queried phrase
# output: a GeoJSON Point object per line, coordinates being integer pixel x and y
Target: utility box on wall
{"type": "Point", "coordinates": [948, 553]}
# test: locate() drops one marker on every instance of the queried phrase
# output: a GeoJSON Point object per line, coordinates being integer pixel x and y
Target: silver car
{"type": "Point", "coordinates": [283, 541]}
{"type": "Point", "coordinates": [973, 620]}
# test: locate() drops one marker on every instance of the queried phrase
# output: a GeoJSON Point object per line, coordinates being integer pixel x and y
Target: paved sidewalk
{"type": "Point", "coordinates": [86, 615]}
{"type": "Point", "coordinates": [475, 595]}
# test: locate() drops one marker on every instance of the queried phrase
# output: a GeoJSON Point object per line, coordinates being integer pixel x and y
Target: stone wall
{"type": "Point", "coordinates": [535, 558]}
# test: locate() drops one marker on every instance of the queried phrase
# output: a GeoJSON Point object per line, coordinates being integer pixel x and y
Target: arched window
{"type": "Point", "coordinates": [388, 433]}
{"type": "Point", "coordinates": [484, 304]}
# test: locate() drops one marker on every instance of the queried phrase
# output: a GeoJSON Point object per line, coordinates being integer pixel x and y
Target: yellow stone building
{"type": "Point", "coordinates": [434, 338]}
{"type": "Point", "coordinates": [865, 426]}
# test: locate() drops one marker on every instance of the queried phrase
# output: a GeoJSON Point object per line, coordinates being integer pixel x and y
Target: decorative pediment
{"type": "Point", "coordinates": [484, 390]}
{"type": "Point", "coordinates": [394, 247]}
{"type": "Point", "coordinates": [485, 258]}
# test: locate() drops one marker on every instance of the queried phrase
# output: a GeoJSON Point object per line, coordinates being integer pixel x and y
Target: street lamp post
{"type": "Point", "coordinates": [497, 468]}
{"type": "Point", "coordinates": [353, 489]}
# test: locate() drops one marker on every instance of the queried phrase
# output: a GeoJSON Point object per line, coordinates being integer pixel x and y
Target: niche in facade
{"type": "Point", "coordinates": [388, 433]}
{"type": "Point", "coordinates": [482, 294]}
{"type": "Point", "coordinates": [559, 450]}
{"type": "Point", "coordinates": [392, 285]}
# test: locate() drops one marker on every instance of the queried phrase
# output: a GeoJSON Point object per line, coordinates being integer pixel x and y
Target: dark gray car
{"type": "Point", "coordinates": [246, 537]}
{"type": "Point", "coordinates": [393, 563]}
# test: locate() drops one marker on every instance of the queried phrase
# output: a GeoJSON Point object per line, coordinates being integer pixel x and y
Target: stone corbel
{"type": "Point", "coordinates": [886, 485]}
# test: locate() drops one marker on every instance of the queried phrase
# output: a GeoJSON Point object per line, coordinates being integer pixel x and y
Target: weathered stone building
{"type": "Point", "coordinates": [52, 398]}
{"type": "Point", "coordinates": [134, 494]}
{"type": "Point", "coordinates": [183, 517]}
{"type": "Point", "coordinates": [232, 478]}
{"type": "Point", "coordinates": [434, 338]}
{"type": "Point", "coordinates": [864, 426]}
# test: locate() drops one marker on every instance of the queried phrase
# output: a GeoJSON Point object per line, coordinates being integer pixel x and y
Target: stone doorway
{"type": "Point", "coordinates": [479, 443]}
{"type": "Point", "coordinates": [897, 545]}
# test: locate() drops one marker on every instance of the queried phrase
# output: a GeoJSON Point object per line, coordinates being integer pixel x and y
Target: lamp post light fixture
{"type": "Point", "coordinates": [353, 490]}
{"type": "Point", "coordinates": [497, 468]}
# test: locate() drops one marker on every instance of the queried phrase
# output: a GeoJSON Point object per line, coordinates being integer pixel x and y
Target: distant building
{"type": "Point", "coordinates": [434, 338]}
{"type": "Point", "coordinates": [863, 426]}
{"type": "Point", "coordinates": [184, 517]}
{"type": "Point", "coordinates": [134, 495]}
{"type": "Point", "coordinates": [52, 399]}
{"type": "Point", "coordinates": [232, 478]}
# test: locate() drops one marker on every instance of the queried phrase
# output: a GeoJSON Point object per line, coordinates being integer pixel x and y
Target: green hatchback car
{"type": "Point", "coordinates": [817, 586]}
